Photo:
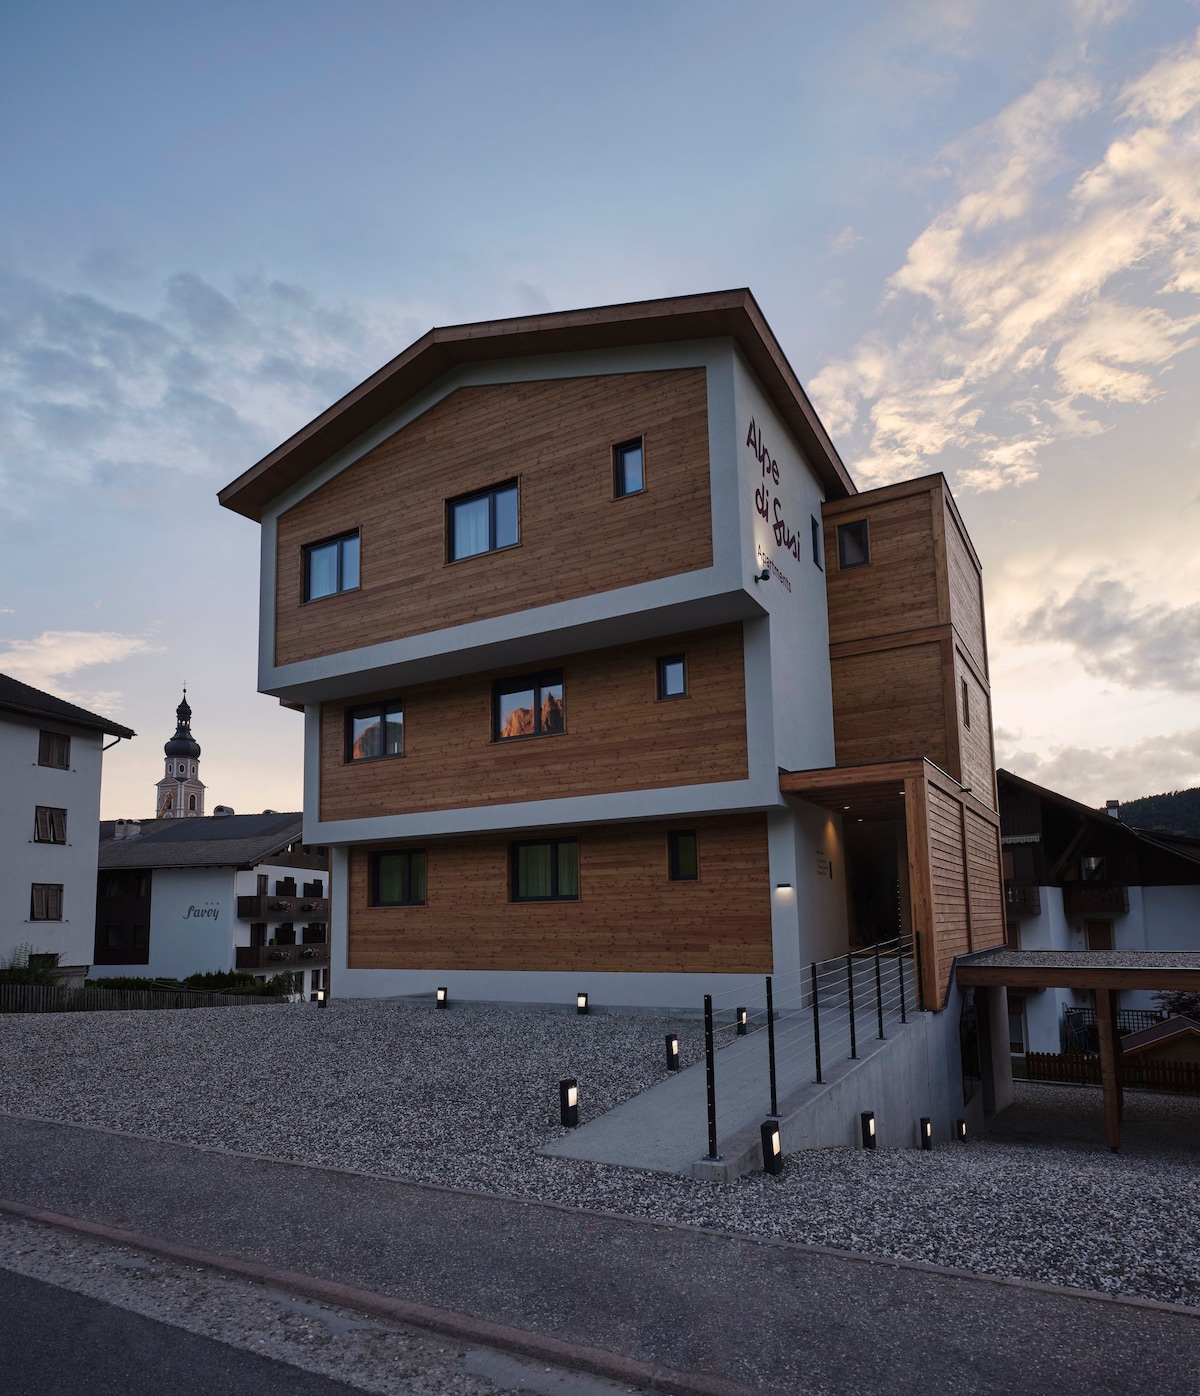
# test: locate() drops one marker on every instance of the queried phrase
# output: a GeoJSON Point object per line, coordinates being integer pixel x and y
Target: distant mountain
{"type": "Point", "coordinates": [1177, 812]}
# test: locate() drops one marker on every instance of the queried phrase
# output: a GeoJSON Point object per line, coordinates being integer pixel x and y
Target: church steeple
{"type": "Point", "coordinates": [181, 792]}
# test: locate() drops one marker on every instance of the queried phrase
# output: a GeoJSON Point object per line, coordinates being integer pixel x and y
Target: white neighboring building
{"type": "Point", "coordinates": [1080, 879]}
{"type": "Point", "coordinates": [227, 891]}
{"type": "Point", "coordinates": [50, 760]}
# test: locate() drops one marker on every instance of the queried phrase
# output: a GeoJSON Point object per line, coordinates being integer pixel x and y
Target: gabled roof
{"type": "Point", "coordinates": [18, 697]}
{"type": "Point", "coordinates": [1157, 1033]}
{"type": "Point", "coordinates": [231, 840]}
{"type": "Point", "coordinates": [715, 314]}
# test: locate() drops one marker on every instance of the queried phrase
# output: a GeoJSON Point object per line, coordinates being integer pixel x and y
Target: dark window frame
{"type": "Point", "coordinates": [51, 896]}
{"type": "Point", "coordinates": [818, 542]}
{"type": "Point", "coordinates": [966, 704]}
{"type": "Point", "coordinates": [48, 747]}
{"type": "Point", "coordinates": [618, 463]}
{"type": "Point", "coordinates": [389, 705]}
{"type": "Point", "coordinates": [46, 827]}
{"type": "Point", "coordinates": [306, 566]}
{"type": "Point", "coordinates": [673, 860]}
{"type": "Point", "coordinates": [406, 878]}
{"type": "Point", "coordinates": [843, 531]}
{"type": "Point", "coordinates": [664, 660]}
{"type": "Point", "coordinates": [489, 494]}
{"type": "Point", "coordinates": [553, 844]}
{"type": "Point", "coordinates": [545, 678]}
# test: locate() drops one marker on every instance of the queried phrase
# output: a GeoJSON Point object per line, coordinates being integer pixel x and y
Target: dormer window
{"type": "Point", "coordinates": [331, 566]}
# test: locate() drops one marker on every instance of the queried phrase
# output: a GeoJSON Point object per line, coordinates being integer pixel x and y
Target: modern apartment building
{"type": "Point", "coordinates": [612, 679]}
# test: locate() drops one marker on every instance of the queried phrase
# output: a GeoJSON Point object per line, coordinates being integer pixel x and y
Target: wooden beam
{"type": "Point", "coordinates": [920, 884]}
{"type": "Point", "coordinates": [1066, 977]}
{"type": "Point", "coordinates": [1106, 1028]}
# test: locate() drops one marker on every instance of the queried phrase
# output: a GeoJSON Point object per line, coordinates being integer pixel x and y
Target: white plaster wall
{"type": "Point", "coordinates": [192, 919]}
{"type": "Point", "coordinates": [23, 786]}
{"type": "Point", "coordinates": [821, 898]}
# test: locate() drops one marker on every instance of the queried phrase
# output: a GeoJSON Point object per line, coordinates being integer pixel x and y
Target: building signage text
{"type": "Point", "coordinates": [769, 507]}
{"type": "Point", "coordinates": [201, 912]}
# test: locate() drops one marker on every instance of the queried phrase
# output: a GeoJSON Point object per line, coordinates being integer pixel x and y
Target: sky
{"type": "Point", "coordinates": [973, 227]}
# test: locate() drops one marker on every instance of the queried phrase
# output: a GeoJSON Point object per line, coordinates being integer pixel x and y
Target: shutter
{"type": "Point", "coordinates": [54, 902]}
{"type": "Point", "coordinates": [58, 819]}
{"type": "Point", "coordinates": [37, 907]}
{"type": "Point", "coordinates": [41, 821]}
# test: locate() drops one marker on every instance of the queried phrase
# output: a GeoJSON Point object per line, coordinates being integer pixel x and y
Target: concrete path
{"type": "Point", "coordinates": [768, 1315]}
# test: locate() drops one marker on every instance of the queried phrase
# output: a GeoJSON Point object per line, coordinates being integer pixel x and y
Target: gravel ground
{"type": "Point", "coordinates": [466, 1097]}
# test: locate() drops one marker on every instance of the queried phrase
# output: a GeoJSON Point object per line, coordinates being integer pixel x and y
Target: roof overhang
{"type": "Point", "coordinates": [713, 315]}
{"type": "Point", "coordinates": [1080, 969]}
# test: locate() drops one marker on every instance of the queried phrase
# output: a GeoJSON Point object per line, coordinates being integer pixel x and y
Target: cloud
{"type": "Point", "coordinates": [849, 237]}
{"type": "Point", "coordinates": [1043, 294]}
{"type": "Point", "coordinates": [1095, 774]}
{"type": "Point", "coordinates": [49, 660]}
{"type": "Point", "coordinates": [1115, 638]}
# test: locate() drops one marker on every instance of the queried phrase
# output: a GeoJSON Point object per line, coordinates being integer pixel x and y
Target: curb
{"type": "Point", "coordinates": [465, 1327]}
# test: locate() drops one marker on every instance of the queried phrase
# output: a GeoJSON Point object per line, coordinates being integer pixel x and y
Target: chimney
{"type": "Point", "coordinates": [119, 829]}
{"type": "Point", "coordinates": [133, 828]}
{"type": "Point", "coordinates": [1113, 807]}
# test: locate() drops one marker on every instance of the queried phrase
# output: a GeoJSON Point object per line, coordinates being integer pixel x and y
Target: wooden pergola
{"type": "Point", "coordinates": [1105, 972]}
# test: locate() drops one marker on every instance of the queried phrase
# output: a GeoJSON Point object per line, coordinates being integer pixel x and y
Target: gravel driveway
{"type": "Point", "coordinates": [466, 1097]}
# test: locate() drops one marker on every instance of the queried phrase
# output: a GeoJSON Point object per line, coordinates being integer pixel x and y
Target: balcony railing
{"type": "Point", "coordinates": [278, 958]}
{"type": "Point", "coordinates": [282, 908]}
{"type": "Point", "coordinates": [1095, 898]}
{"type": "Point", "coordinates": [1023, 898]}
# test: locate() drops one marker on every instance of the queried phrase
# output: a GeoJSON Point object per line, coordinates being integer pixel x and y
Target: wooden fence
{"type": "Point", "coordinates": [44, 998]}
{"type": "Point", "coordinates": [1084, 1070]}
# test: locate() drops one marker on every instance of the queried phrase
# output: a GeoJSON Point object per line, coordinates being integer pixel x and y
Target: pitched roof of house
{"type": "Point", "coordinates": [1178, 1026]}
{"type": "Point", "coordinates": [18, 697]}
{"type": "Point", "coordinates": [716, 314]}
{"type": "Point", "coordinates": [232, 840]}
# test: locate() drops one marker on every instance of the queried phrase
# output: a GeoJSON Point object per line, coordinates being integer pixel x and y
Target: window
{"type": "Point", "coordinates": [546, 872]}
{"type": "Point", "coordinates": [628, 475]}
{"type": "Point", "coordinates": [1099, 934]}
{"type": "Point", "coordinates": [258, 933]}
{"type": "Point", "coordinates": [285, 886]}
{"type": "Point", "coordinates": [331, 566]}
{"type": "Point", "coordinates": [45, 901]}
{"type": "Point", "coordinates": [375, 731]}
{"type": "Point", "coordinates": [853, 547]}
{"type": "Point", "coordinates": [49, 825]}
{"type": "Point", "coordinates": [263, 883]}
{"type": "Point", "coordinates": [483, 522]}
{"type": "Point", "coordinates": [1092, 869]}
{"type": "Point", "coordinates": [672, 677]}
{"type": "Point", "coordinates": [683, 857]}
{"type": "Point", "coordinates": [398, 879]}
{"type": "Point", "coordinates": [314, 889]}
{"type": "Point", "coordinates": [816, 542]}
{"type": "Point", "coordinates": [285, 933]}
{"type": "Point", "coordinates": [54, 749]}
{"type": "Point", "coordinates": [528, 706]}
{"type": "Point", "coordinates": [966, 702]}
{"type": "Point", "coordinates": [191, 802]}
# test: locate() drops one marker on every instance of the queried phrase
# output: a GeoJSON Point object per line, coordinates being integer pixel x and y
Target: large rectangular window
{"type": "Point", "coordinates": [483, 522]}
{"type": "Point", "coordinates": [49, 824]}
{"type": "Point", "coordinates": [528, 706]}
{"type": "Point", "coordinates": [546, 871]}
{"type": "Point", "coordinates": [54, 749]}
{"type": "Point", "coordinates": [45, 901]}
{"type": "Point", "coordinates": [629, 477]}
{"type": "Point", "coordinates": [683, 857]}
{"type": "Point", "coordinates": [331, 566]}
{"type": "Point", "coordinates": [375, 731]}
{"type": "Point", "coordinates": [398, 878]}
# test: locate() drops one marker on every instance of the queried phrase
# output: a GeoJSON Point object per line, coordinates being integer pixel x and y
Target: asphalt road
{"type": "Point", "coordinates": [765, 1315]}
{"type": "Point", "coordinates": [54, 1342]}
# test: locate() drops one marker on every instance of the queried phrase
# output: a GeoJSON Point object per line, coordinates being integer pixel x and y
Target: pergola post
{"type": "Point", "coordinates": [1110, 1069]}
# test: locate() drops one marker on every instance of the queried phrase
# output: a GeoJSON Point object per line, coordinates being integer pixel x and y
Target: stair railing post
{"type": "Point", "coordinates": [816, 1022]}
{"type": "Point", "coordinates": [878, 991]}
{"type": "Point", "coordinates": [850, 994]}
{"type": "Point", "coordinates": [771, 1045]}
{"type": "Point", "coordinates": [710, 1072]}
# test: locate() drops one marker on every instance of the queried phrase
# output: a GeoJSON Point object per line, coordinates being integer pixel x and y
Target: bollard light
{"type": "Point", "coordinates": [568, 1102]}
{"type": "Point", "coordinates": [772, 1147]}
{"type": "Point", "coordinates": [960, 1131]}
{"type": "Point", "coordinates": [867, 1120]}
{"type": "Point", "coordinates": [926, 1132]}
{"type": "Point", "coordinates": [580, 1003]}
{"type": "Point", "coordinates": [672, 1052]}
{"type": "Point", "coordinates": [740, 1015]}
{"type": "Point", "coordinates": [442, 998]}
{"type": "Point", "coordinates": [318, 997]}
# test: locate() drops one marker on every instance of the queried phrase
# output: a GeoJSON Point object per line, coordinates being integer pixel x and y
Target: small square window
{"type": "Point", "coordinates": [49, 825]}
{"type": "Point", "coordinates": [530, 705]}
{"type": "Point", "coordinates": [683, 855]}
{"type": "Point", "coordinates": [398, 878]}
{"type": "Point", "coordinates": [484, 522]}
{"type": "Point", "coordinates": [672, 677]}
{"type": "Point", "coordinates": [628, 475]}
{"type": "Point", "coordinates": [54, 749]}
{"type": "Point", "coordinates": [45, 901]}
{"type": "Point", "coordinates": [816, 542]}
{"type": "Point", "coordinates": [547, 871]}
{"type": "Point", "coordinates": [375, 731]}
{"type": "Point", "coordinates": [853, 546]}
{"type": "Point", "coordinates": [331, 567]}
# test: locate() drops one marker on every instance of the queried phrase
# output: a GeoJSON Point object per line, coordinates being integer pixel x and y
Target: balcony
{"type": "Point", "coordinates": [1022, 898]}
{"type": "Point", "coordinates": [283, 908]}
{"type": "Point", "coordinates": [278, 958]}
{"type": "Point", "coordinates": [1095, 898]}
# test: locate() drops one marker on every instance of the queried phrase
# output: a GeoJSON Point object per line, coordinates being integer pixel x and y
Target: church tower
{"type": "Point", "coordinates": [181, 792]}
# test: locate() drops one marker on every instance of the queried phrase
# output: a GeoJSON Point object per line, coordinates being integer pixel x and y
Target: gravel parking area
{"type": "Point", "coordinates": [466, 1097]}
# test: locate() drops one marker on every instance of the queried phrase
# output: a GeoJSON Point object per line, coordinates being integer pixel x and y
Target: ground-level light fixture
{"type": "Point", "coordinates": [442, 998]}
{"type": "Point", "coordinates": [960, 1131]}
{"type": "Point", "coordinates": [581, 1003]}
{"type": "Point", "coordinates": [867, 1121]}
{"type": "Point", "coordinates": [318, 997]}
{"type": "Point", "coordinates": [568, 1102]}
{"type": "Point", "coordinates": [926, 1132]}
{"type": "Point", "coordinates": [739, 1015]}
{"type": "Point", "coordinates": [772, 1147]}
{"type": "Point", "coordinates": [672, 1052]}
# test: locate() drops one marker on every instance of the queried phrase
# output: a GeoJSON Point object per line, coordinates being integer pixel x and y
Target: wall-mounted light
{"type": "Point", "coordinates": [926, 1132]}
{"type": "Point", "coordinates": [772, 1147]}
{"type": "Point", "coordinates": [763, 576]}
{"type": "Point", "coordinates": [568, 1103]}
{"type": "Point", "coordinates": [846, 808]}
{"type": "Point", "coordinates": [672, 1052]}
{"type": "Point", "coordinates": [581, 1003]}
{"type": "Point", "coordinates": [783, 888]}
{"type": "Point", "coordinates": [442, 998]}
{"type": "Point", "coordinates": [867, 1121]}
{"type": "Point", "coordinates": [739, 1015]}
{"type": "Point", "coordinates": [960, 1131]}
